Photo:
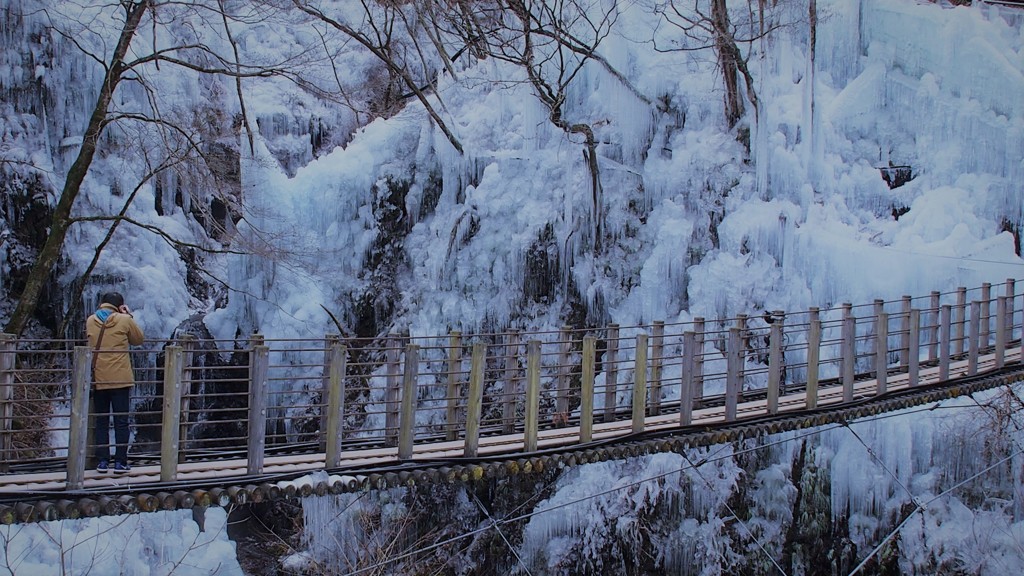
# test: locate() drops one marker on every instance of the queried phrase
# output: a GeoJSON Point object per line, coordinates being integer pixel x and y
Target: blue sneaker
{"type": "Point", "coordinates": [102, 466]}
{"type": "Point", "coordinates": [121, 467]}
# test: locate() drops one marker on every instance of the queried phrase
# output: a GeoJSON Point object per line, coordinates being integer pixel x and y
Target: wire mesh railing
{"type": "Point", "coordinates": [200, 400]}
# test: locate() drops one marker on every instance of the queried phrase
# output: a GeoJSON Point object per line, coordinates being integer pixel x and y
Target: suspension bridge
{"type": "Point", "coordinates": [232, 422]}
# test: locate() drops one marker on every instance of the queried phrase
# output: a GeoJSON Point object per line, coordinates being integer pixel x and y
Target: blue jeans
{"type": "Point", "coordinates": [107, 403]}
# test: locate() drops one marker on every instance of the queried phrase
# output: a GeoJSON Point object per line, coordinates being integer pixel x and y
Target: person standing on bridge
{"type": "Point", "coordinates": [111, 330]}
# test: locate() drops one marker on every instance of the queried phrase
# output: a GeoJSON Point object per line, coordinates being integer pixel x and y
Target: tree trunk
{"type": "Point", "coordinates": [728, 61]}
{"type": "Point", "coordinates": [595, 178]}
{"type": "Point", "coordinates": [812, 17]}
{"type": "Point", "coordinates": [51, 249]}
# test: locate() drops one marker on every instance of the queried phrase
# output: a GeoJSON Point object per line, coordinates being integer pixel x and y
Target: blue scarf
{"type": "Point", "coordinates": [103, 314]}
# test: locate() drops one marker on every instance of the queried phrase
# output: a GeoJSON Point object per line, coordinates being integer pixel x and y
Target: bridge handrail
{"type": "Point", "coordinates": [200, 400]}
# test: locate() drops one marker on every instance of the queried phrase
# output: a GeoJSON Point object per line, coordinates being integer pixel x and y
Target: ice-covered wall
{"type": "Point", "coordinates": [925, 85]}
{"type": "Point", "coordinates": [503, 234]}
{"type": "Point", "coordinates": [397, 231]}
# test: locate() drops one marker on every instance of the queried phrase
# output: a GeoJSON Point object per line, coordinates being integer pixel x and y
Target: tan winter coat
{"type": "Point", "coordinates": [113, 361]}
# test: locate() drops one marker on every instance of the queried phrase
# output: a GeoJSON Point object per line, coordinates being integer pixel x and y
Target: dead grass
{"type": "Point", "coordinates": [37, 390]}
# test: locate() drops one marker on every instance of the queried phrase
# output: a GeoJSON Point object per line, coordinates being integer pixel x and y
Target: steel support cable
{"type": "Point", "coordinates": [537, 493]}
{"type": "Point", "coordinates": [818, 430]}
{"type": "Point", "coordinates": [922, 507]}
{"type": "Point", "coordinates": [495, 525]}
{"type": "Point", "coordinates": [876, 458]}
{"type": "Point", "coordinates": [750, 533]}
{"type": "Point", "coordinates": [650, 479]}
{"type": "Point", "coordinates": [966, 258]}
{"type": "Point", "coordinates": [410, 553]}
{"type": "Point", "coordinates": [706, 460]}
{"type": "Point", "coordinates": [521, 517]}
{"type": "Point", "coordinates": [508, 518]}
{"type": "Point", "coordinates": [917, 503]}
{"type": "Point", "coordinates": [918, 506]}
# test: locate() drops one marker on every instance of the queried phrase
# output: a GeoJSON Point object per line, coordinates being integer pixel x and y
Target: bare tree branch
{"type": "Point", "coordinates": [378, 49]}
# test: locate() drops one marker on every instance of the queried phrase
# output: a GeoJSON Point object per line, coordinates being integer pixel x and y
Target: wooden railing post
{"type": "Point", "coordinates": [904, 354]}
{"type": "Point", "coordinates": [813, 358]}
{"type": "Point", "coordinates": [325, 387]}
{"type": "Point", "coordinates": [81, 381]}
{"type": "Point", "coordinates": [407, 425]}
{"type": "Point", "coordinates": [741, 323]}
{"type": "Point", "coordinates": [975, 334]}
{"type": "Point", "coordinates": [1011, 309]}
{"type": "Point", "coordinates": [879, 306]}
{"type": "Point", "coordinates": [960, 320]}
{"type": "Point", "coordinates": [687, 384]}
{"type": "Point", "coordinates": [657, 355]}
{"type": "Point", "coordinates": [640, 384]}
{"type": "Point", "coordinates": [882, 353]}
{"type": "Point", "coordinates": [1000, 351]}
{"type": "Point", "coordinates": [259, 364]}
{"type": "Point", "coordinates": [532, 395]}
{"type": "Point", "coordinates": [780, 319]}
{"type": "Point", "coordinates": [933, 331]}
{"type": "Point", "coordinates": [587, 389]}
{"type": "Point", "coordinates": [474, 400]}
{"type": "Point", "coordinates": [511, 389]}
{"type": "Point", "coordinates": [698, 361]}
{"type": "Point", "coordinates": [188, 348]}
{"type": "Point", "coordinates": [734, 372]}
{"type": "Point", "coordinates": [913, 346]}
{"type": "Point", "coordinates": [849, 351]}
{"type": "Point", "coordinates": [985, 328]}
{"type": "Point", "coordinates": [775, 366]}
{"type": "Point", "coordinates": [335, 393]}
{"type": "Point", "coordinates": [393, 389]}
{"type": "Point", "coordinates": [611, 372]}
{"type": "Point", "coordinates": [945, 328]}
{"type": "Point", "coordinates": [454, 386]}
{"type": "Point", "coordinates": [170, 431]}
{"type": "Point", "coordinates": [562, 390]}
{"type": "Point", "coordinates": [8, 348]}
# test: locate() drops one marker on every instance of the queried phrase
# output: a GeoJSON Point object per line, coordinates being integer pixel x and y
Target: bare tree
{"type": "Point", "coordinates": [552, 41]}
{"type": "Point", "coordinates": [151, 35]}
{"type": "Point", "coordinates": [708, 24]}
